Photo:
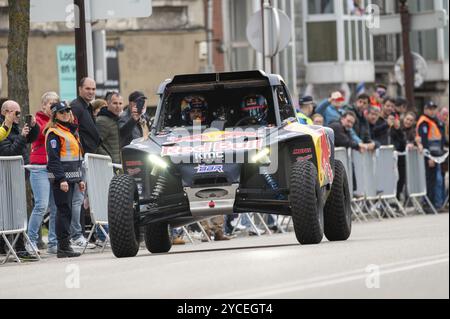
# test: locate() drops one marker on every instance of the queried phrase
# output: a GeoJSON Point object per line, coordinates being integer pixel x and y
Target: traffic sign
{"type": "Point", "coordinates": [391, 24]}
{"type": "Point", "coordinates": [62, 10]}
{"type": "Point", "coordinates": [279, 27]}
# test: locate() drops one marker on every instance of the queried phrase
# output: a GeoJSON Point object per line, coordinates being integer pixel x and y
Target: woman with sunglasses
{"type": "Point", "coordinates": [65, 156]}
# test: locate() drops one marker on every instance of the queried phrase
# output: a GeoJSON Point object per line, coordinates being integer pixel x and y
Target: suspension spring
{"type": "Point", "coordinates": [160, 187]}
{"type": "Point", "coordinates": [272, 183]}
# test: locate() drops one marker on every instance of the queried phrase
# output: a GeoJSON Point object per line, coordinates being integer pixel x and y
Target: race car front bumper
{"type": "Point", "coordinates": [211, 201]}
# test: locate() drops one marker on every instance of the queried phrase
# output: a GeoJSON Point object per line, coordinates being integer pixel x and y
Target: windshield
{"type": "Point", "coordinates": [234, 106]}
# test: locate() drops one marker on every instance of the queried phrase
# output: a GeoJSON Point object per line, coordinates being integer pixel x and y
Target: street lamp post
{"type": "Point", "coordinates": [407, 55]}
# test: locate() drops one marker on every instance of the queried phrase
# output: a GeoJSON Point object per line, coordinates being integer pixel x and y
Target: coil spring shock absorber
{"type": "Point", "coordinates": [272, 183]}
{"type": "Point", "coordinates": [160, 187]}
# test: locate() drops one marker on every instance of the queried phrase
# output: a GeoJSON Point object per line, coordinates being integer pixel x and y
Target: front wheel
{"type": "Point", "coordinates": [122, 203]}
{"type": "Point", "coordinates": [306, 203]}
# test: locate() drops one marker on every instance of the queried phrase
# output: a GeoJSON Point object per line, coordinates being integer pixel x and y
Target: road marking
{"type": "Point", "coordinates": [334, 279]}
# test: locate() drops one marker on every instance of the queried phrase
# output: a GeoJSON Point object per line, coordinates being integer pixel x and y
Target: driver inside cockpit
{"type": "Point", "coordinates": [254, 110]}
{"type": "Point", "coordinates": [193, 110]}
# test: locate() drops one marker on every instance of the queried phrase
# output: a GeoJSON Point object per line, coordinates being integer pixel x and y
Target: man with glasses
{"type": "Point", "coordinates": [15, 144]}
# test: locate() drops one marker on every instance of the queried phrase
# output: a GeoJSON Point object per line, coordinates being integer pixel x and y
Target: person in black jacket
{"type": "Point", "coordinates": [361, 126]}
{"type": "Point", "coordinates": [386, 123]}
{"type": "Point", "coordinates": [342, 132]}
{"type": "Point", "coordinates": [90, 140]}
{"type": "Point", "coordinates": [65, 156]}
{"type": "Point", "coordinates": [82, 109]}
{"type": "Point", "coordinates": [15, 144]}
{"type": "Point", "coordinates": [134, 122]}
{"type": "Point", "coordinates": [343, 137]}
{"type": "Point", "coordinates": [403, 142]}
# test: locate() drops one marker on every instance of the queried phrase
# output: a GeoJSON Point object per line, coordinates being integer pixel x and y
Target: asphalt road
{"type": "Point", "coordinates": [403, 258]}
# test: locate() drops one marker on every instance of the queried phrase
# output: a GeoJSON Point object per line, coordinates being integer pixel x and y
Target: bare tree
{"type": "Point", "coordinates": [19, 28]}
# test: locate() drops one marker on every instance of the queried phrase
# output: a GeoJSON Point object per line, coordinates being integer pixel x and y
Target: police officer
{"type": "Point", "coordinates": [306, 110]}
{"type": "Point", "coordinates": [429, 131]}
{"type": "Point", "coordinates": [65, 155]}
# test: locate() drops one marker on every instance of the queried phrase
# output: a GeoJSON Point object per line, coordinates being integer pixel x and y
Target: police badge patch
{"type": "Point", "coordinates": [53, 143]}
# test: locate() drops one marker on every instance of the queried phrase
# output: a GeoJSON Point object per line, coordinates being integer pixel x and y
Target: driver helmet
{"type": "Point", "coordinates": [191, 103]}
{"type": "Point", "coordinates": [254, 106]}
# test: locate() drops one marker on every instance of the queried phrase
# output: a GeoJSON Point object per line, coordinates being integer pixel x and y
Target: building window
{"type": "Point", "coordinates": [357, 41]}
{"type": "Point", "coordinates": [425, 43]}
{"type": "Point", "coordinates": [322, 41]}
{"type": "Point", "coordinates": [242, 57]}
{"type": "Point", "coordinates": [325, 38]}
{"type": "Point", "coordinates": [320, 6]}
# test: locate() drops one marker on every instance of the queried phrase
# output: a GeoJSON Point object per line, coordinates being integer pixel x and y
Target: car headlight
{"type": "Point", "coordinates": [262, 156]}
{"type": "Point", "coordinates": [157, 161]}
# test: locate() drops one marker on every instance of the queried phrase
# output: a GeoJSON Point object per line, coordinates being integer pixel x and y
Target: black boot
{"type": "Point", "coordinates": [65, 251]}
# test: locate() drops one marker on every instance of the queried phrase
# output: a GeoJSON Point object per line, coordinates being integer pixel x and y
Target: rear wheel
{"type": "Point", "coordinates": [306, 203]}
{"type": "Point", "coordinates": [122, 203]}
{"type": "Point", "coordinates": [157, 239]}
{"type": "Point", "coordinates": [338, 213]}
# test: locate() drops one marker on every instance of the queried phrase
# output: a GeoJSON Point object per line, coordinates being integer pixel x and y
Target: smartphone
{"type": "Point", "coordinates": [140, 105]}
{"type": "Point", "coordinates": [28, 119]}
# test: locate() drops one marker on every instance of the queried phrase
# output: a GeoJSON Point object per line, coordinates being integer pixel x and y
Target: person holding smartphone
{"type": "Point", "coordinates": [65, 156]}
{"type": "Point", "coordinates": [6, 126]}
{"type": "Point", "coordinates": [15, 144]}
{"type": "Point", "coordinates": [134, 122]}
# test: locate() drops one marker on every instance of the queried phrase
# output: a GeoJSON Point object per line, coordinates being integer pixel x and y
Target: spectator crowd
{"type": "Point", "coordinates": [380, 120]}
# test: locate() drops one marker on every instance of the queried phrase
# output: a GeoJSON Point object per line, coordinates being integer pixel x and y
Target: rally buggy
{"type": "Point", "coordinates": [227, 163]}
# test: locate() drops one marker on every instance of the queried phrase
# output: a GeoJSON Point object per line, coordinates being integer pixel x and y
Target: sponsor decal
{"type": "Point", "coordinates": [326, 156]}
{"type": "Point", "coordinates": [322, 149]}
{"type": "Point", "coordinates": [301, 151]}
{"type": "Point", "coordinates": [202, 169]}
{"type": "Point", "coordinates": [215, 147]}
{"type": "Point", "coordinates": [212, 137]}
{"type": "Point", "coordinates": [208, 157]}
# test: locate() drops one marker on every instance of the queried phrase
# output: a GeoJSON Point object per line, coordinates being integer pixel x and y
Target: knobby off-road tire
{"type": "Point", "coordinates": [306, 203]}
{"type": "Point", "coordinates": [337, 212]}
{"type": "Point", "coordinates": [123, 231]}
{"type": "Point", "coordinates": [157, 239]}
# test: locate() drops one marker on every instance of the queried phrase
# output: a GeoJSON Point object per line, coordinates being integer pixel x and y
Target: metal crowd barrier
{"type": "Point", "coordinates": [99, 171]}
{"type": "Point", "coordinates": [251, 218]}
{"type": "Point", "coordinates": [416, 184]}
{"type": "Point", "coordinates": [13, 206]}
{"type": "Point", "coordinates": [345, 156]}
{"type": "Point", "coordinates": [387, 178]}
{"type": "Point", "coordinates": [366, 184]}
